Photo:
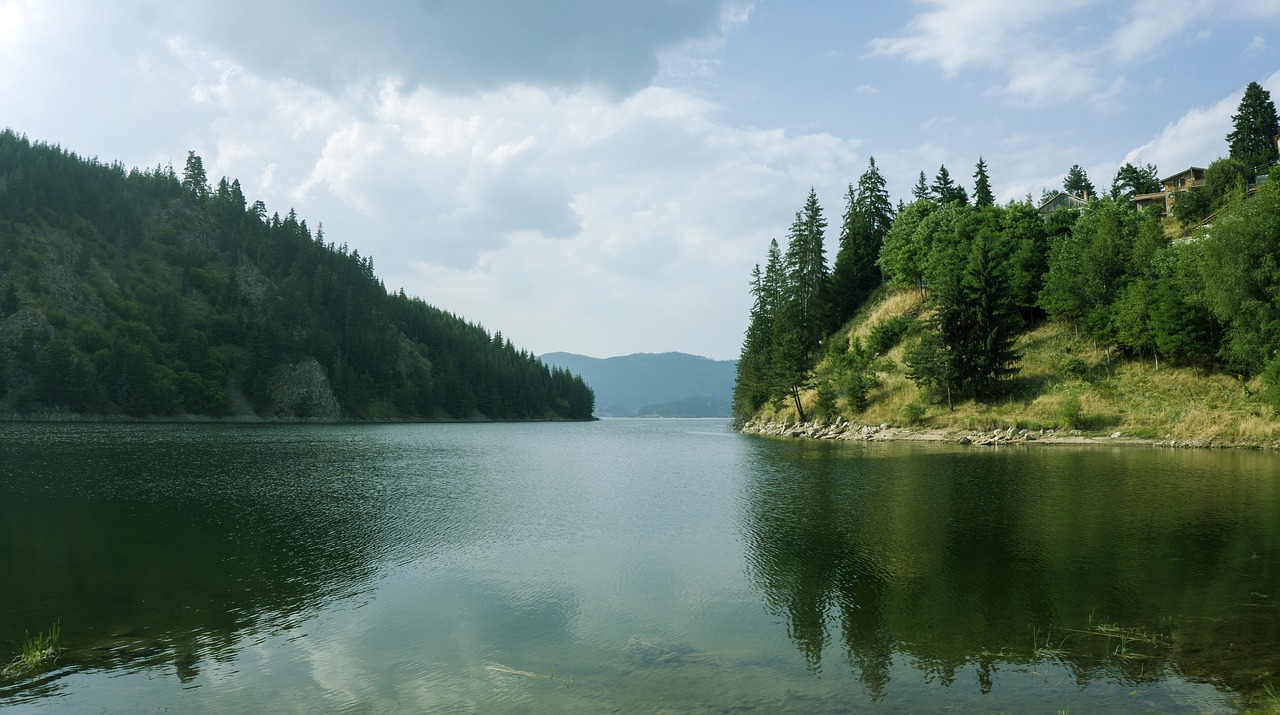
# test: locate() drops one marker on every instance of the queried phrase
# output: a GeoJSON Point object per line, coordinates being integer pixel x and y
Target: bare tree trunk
{"type": "Point", "coordinates": [795, 397]}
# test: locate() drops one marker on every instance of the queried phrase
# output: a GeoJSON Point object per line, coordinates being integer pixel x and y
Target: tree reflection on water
{"type": "Point", "coordinates": [1130, 565]}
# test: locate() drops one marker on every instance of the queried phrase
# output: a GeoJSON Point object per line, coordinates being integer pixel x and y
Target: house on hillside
{"type": "Point", "coordinates": [1062, 200]}
{"type": "Point", "coordinates": [1185, 180]}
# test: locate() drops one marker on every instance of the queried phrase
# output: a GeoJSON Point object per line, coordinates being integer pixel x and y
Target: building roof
{"type": "Point", "coordinates": [1070, 199]}
{"type": "Point", "coordinates": [1190, 169]}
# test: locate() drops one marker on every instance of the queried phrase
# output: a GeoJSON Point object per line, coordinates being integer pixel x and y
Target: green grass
{"type": "Point", "coordinates": [38, 652]}
{"type": "Point", "coordinates": [1267, 704]}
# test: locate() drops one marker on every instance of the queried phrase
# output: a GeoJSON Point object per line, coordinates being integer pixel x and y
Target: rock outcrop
{"type": "Point", "coordinates": [302, 392]}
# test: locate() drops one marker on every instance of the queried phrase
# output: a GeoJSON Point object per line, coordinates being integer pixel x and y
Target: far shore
{"type": "Point", "coordinates": [853, 431]}
{"type": "Point", "coordinates": [257, 419]}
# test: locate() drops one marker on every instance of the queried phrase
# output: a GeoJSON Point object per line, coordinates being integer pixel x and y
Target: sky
{"type": "Point", "coordinates": [600, 177]}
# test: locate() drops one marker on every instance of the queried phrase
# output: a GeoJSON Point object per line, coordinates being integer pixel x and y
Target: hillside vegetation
{"type": "Point", "coordinates": [963, 315]}
{"type": "Point", "coordinates": [1066, 383]}
{"type": "Point", "coordinates": [142, 294]}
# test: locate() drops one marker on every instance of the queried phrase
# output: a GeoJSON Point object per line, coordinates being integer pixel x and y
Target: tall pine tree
{"type": "Point", "coordinates": [982, 195]}
{"type": "Point", "coordinates": [754, 387]}
{"type": "Point", "coordinates": [947, 190]}
{"type": "Point", "coordinates": [802, 317]}
{"type": "Point", "coordinates": [1077, 182]}
{"type": "Point", "coordinates": [920, 191]}
{"type": "Point", "coordinates": [867, 219]}
{"type": "Point", "coordinates": [1254, 128]}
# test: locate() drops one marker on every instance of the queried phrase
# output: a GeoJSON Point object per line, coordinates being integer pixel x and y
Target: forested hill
{"type": "Point", "coordinates": [142, 293]}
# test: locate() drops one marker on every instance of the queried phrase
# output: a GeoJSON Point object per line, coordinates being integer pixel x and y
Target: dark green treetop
{"type": "Point", "coordinates": [946, 190]}
{"type": "Point", "coordinates": [867, 219]}
{"type": "Point", "coordinates": [1132, 180]}
{"type": "Point", "coordinates": [1077, 182]}
{"type": "Point", "coordinates": [1254, 128]}
{"type": "Point", "coordinates": [920, 191]}
{"type": "Point", "coordinates": [982, 195]}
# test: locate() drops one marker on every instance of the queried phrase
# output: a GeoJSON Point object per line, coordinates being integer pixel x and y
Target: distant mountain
{"type": "Point", "coordinates": [654, 385]}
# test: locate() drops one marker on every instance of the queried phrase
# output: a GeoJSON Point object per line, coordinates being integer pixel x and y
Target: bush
{"type": "Point", "coordinates": [1070, 414]}
{"type": "Point", "coordinates": [913, 413]}
{"type": "Point", "coordinates": [1271, 377]}
{"type": "Point", "coordinates": [825, 408]}
{"type": "Point", "coordinates": [856, 387]}
{"type": "Point", "coordinates": [886, 334]}
{"type": "Point", "coordinates": [1075, 367]}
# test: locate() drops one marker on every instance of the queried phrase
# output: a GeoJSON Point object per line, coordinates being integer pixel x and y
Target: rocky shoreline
{"type": "Point", "coordinates": [853, 431]}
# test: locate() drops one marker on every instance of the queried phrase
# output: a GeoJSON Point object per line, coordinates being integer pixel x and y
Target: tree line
{"type": "Point", "coordinates": [989, 272]}
{"type": "Point", "coordinates": [146, 293]}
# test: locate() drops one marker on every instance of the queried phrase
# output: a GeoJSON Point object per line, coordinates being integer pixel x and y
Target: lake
{"type": "Point", "coordinates": [628, 566]}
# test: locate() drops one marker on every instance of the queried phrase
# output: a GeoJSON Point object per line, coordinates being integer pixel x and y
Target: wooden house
{"type": "Point", "coordinates": [1185, 180]}
{"type": "Point", "coordinates": [1062, 200]}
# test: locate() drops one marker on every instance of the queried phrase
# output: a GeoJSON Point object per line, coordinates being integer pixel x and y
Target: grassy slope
{"type": "Point", "coordinates": [1130, 395]}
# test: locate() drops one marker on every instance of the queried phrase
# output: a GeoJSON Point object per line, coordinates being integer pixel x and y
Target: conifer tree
{"type": "Point", "coordinates": [753, 386]}
{"type": "Point", "coordinates": [920, 192]}
{"type": "Point", "coordinates": [1077, 182]}
{"type": "Point", "coordinates": [867, 219]}
{"type": "Point", "coordinates": [988, 322]}
{"type": "Point", "coordinates": [1254, 128]}
{"type": "Point", "coordinates": [982, 195]}
{"type": "Point", "coordinates": [946, 189]}
{"type": "Point", "coordinates": [801, 317]}
{"type": "Point", "coordinates": [806, 269]}
{"type": "Point", "coordinates": [194, 180]}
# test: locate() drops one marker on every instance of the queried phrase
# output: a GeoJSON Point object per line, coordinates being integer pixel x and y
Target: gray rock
{"type": "Point", "coordinates": [302, 391]}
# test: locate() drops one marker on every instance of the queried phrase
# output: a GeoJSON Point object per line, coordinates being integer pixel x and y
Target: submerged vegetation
{"type": "Point", "coordinates": [1097, 316]}
{"type": "Point", "coordinates": [139, 293]}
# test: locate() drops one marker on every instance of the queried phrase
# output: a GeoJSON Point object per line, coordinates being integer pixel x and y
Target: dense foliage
{"type": "Point", "coordinates": [148, 294]}
{"type": "Point", "coordinates": [1254, 128]}
{"type": "Point", "coordinates": [986, 273]}
{"type": "Point", "coordinates": [981, 268]}
{"type": "Point", "coordinates": [798, 301]}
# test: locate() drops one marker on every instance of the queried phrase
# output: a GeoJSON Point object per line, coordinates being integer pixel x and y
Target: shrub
{"type": "Point", "coordinates": [856, 387]}
{"type": "Point", "coordinates": [1075, 367]}
{"type": "Point", "coordinates": [1271, 377]}
{"type": "Point", "coordinates": [1070, 414]}
{"type": "Point", "coordinates": [825, 407]}
{"type": "Point", "coordinates": [886, 334]}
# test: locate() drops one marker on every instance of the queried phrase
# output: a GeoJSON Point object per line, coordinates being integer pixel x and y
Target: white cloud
{"type": "Point", "coordinates": [1000, 35]}
{"type": "Point", "coordinates": [1197, 138]}
{"type": "Point", "coordinates": [1154, 25]}
{"type": "Point", "coordinates": [13, 15]}
{"type": "Point", "coordinates": [1053, 52]}
{"type": "Point", "coordinates": [566, 219]}
{"type": "Point", "coordinates": [1153, 22]}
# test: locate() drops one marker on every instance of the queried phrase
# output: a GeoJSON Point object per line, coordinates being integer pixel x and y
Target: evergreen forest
{"type": "Point", "coordinates": [1197, 290]}
{"type": "Point", "coordinates": [128, 293]}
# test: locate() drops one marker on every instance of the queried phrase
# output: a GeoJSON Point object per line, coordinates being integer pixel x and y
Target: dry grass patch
{"type": "Point", "coordinates": [885, 305]}
{"type": "Point", "coordinates": [1064, 382]}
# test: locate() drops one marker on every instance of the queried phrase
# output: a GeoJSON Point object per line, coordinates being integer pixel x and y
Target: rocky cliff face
{"type": "Point", "coordinates": [301, 392]}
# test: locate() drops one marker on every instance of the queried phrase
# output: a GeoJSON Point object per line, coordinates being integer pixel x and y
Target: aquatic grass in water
{"type": "Point", "coordinates": [499, 668]}
{"type": "Point", "coordinates": [38, 652]}
{"type": "Point", "coordinates": [1117, 641]}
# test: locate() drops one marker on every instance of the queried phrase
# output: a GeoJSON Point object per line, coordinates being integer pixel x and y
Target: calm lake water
{"type": "Point", "coordinates": [628, 566]}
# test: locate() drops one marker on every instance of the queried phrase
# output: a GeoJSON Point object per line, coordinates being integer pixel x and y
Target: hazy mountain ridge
{"type": "Point", "coordinates": [669, 384]}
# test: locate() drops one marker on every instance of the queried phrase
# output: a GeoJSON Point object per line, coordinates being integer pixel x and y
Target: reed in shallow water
{"type": "Point", "coordinates": [38, 652]}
